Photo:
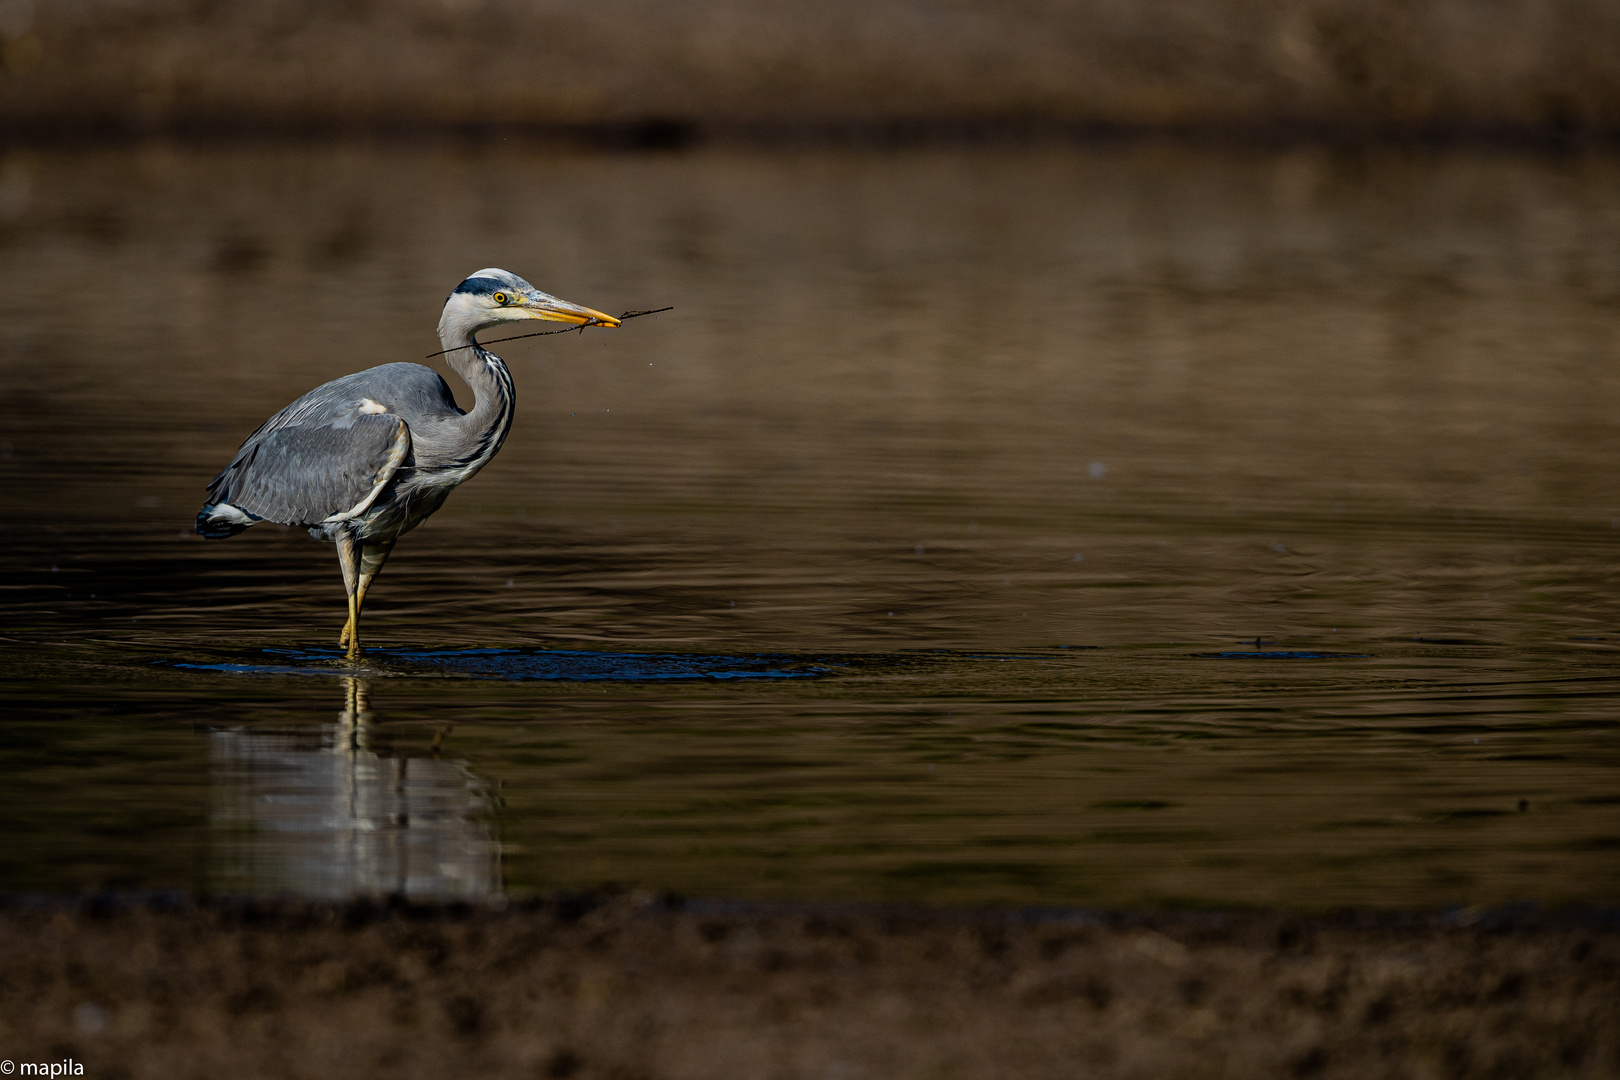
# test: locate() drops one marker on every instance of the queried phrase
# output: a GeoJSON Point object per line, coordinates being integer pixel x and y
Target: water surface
{"type": "Point", "coordinates": [1116, 526]}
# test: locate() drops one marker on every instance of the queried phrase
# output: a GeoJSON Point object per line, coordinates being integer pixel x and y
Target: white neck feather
{"type": "Point", "coordinates": [464, 315]}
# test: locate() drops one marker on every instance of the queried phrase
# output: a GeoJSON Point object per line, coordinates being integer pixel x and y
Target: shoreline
{"type": "Point", "coordinates": [1429, 65]}
{"type": "Point", "coordinates": [602, 985]}
{"type": "Point", "coordinates": [678, 135]}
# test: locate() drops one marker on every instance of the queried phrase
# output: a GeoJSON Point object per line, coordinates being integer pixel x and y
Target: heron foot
{"type": "Point", "coordinates": [354, 648]}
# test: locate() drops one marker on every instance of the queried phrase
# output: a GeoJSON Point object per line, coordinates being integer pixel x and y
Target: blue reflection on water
{"type": "Point", "coordinates": [1281, 656]}
{"type": "Point", "coordinates": [553, 664]}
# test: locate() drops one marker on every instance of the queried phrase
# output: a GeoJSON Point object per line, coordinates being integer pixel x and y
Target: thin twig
{"type": "Point", "coordinates": [547, 333]}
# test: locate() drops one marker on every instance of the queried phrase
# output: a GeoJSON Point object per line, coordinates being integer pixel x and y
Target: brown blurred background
{"type": "Point", "coordinates": [670, 71]}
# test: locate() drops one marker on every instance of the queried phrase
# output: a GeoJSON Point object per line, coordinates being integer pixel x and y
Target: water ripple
{"type": "Point", "coordinates": [567, 665]}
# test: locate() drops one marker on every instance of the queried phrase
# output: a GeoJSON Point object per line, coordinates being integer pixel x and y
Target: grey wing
{"type": "Point", "coordinates": [326, 453]}
{"type": "Point", "coordinates": [410, 390]}
{"type": "Point", "coordinates": [307, 473]}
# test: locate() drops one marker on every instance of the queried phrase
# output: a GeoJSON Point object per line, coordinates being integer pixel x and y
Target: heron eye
{"type": "Point", "coordinates": [499, 298]}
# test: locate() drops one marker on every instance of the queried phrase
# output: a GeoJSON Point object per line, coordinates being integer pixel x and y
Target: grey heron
{"type": "Point", "coordinates": [366, 458]}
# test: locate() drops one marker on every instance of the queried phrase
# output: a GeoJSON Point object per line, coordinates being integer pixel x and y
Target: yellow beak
{"type": "Point", "coordinates": [552, 309]}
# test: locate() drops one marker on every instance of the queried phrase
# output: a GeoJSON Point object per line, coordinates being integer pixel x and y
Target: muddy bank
{"type": "Point", "coordinates": [662, 73]}
{"type": "Point", "coordinates": [638, 988]}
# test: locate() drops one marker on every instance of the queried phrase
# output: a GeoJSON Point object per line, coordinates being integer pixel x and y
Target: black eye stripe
{"type": "Point", "coordinates": [483, 286]}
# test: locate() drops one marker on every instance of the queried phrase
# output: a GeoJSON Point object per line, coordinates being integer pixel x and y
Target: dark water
{"type": "Point", "coordinates": [1117, 527]}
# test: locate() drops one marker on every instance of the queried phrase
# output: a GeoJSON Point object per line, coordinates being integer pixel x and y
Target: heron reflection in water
{"type": "Point", "coordinates": [366, 458]}
{"type": "Point", "coordinates": [319, 812]}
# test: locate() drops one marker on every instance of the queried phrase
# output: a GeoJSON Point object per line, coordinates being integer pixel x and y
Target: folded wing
{"type": "Point", "coordinates": [324, 468]}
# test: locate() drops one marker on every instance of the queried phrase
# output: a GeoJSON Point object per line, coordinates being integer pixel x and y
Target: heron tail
{"type": "Point", "coordinates": [217, 521]}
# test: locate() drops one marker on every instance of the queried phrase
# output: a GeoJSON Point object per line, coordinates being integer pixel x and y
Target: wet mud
{"type": "Point", "coordinates": [637, 987]}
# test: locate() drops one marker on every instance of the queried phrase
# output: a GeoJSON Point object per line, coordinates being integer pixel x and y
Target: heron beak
{"type": "Point", "coordinates": [551, 309]}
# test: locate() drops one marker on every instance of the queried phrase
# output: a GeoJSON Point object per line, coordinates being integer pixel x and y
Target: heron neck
{"type": "Point", "coordinates": [484, 426]}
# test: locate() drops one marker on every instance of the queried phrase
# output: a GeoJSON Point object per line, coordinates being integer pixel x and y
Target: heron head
{"type": "Point", "coordinates": [491, 297]}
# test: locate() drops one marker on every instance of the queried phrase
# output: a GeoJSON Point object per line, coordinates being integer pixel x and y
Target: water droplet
{"type": "Point", "coordinates": [1097, 470]}
{"type": "Point", "coordinates": [1078, 557]}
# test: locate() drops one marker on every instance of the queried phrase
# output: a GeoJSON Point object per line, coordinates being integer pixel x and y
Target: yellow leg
{"type": "Point", "coordinates": [349, 561]}
{"type": "Point", "coordinates": [361, 563]}
{"type": "Point", "coordinates": [357, 600]}
{"type": "Point", "coordinates": [351, 629]}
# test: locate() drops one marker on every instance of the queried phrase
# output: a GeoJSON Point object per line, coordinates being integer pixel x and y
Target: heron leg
{"type": "Point", "coordinates": [372, 556]}
{"type": "Point", "coordinates": [349, 561]}
{"type": "Point", "coordinates": [368, 557]}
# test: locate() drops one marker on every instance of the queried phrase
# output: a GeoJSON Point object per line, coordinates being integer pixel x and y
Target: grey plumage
{"type": "Point", "coordinates": [321, 456]}
{"type": "Point", "coordinates": [365, 458]}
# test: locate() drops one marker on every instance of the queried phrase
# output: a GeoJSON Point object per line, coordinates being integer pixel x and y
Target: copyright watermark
{"type": "Point", "coordinates": [65, 1067]}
